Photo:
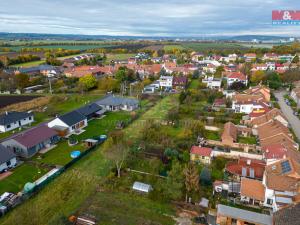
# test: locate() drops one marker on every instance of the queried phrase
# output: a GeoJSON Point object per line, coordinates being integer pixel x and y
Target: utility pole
{"type": "Point", "coordinates": [50, 87]}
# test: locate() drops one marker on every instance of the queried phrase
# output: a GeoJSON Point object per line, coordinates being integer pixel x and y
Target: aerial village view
{"type": "Point", "coordinates": [149, 113]}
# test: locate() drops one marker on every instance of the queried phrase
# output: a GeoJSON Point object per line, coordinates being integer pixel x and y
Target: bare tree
{"type": "Point", "coordinates": [117, 152]}
{"type": "Point", "coordinates": [191, 179]}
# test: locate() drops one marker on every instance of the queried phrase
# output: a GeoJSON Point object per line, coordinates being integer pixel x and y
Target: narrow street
{"type": "Point", "coordinates": [288, 112]}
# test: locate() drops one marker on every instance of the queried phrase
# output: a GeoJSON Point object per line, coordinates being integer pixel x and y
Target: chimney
{"type": "Point", "coordinates": [248, 162]}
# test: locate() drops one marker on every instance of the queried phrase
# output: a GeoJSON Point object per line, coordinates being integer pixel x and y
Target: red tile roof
{"type": "Point", "coordinates": [275, 151]}
{"type": "Point", "coordinates": [237, 75]}
{"type": "Point", "coordinates": [202, 151]}
{"type": "Point", "coordinates": [257, 165]}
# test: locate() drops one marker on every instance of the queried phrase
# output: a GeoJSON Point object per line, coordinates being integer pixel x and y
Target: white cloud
{"type": "Point", "coordinates": [148, 18]}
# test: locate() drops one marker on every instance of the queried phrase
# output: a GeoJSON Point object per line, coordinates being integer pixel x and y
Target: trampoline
{"type": "Point", "coordinates": [75, 154]}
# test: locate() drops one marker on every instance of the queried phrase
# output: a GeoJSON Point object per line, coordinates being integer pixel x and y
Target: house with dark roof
{"type": "Point", "coordinates": [69, 123]}
{"type": "Point", "coordinates": [7, 159]}
{"type": "Point", "coordinates": [180, 82]}
{"type": "Point", "coordinates": [91, 111]}
{"type": "Point", "coordinates": [29, 142]}
{"type": "Point", "coordinates": [13, 120]}
{"type": "Point", "coordinates": [115, 103]}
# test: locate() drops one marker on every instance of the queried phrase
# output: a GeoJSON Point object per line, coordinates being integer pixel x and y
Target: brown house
{"type": "Point", "coordinates": [230, 133]}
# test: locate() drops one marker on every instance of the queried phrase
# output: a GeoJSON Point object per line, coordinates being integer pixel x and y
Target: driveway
{"type": "Point", "coordinates": [288, 112]}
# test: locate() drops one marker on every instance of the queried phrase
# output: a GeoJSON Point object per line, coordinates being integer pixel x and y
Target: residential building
{"type": "Point", "coordinates": [295, 95]}
{"type": "Point", "coordinates": [282, 183]}
{"type": "Point", "coordinates": [250, 57]}
{"type": "Point", "coordinates": [233, 77]}
{"type": "Point", "coordinates": [212, 83]}
{"type": "Point", "coordinates": [252, 191]}
{"type": "Point", "coordinates": [244, 103]}
{"type": "Point", "coordinates": [227, 215]}
{"type": "Point", "coordinates": [289, 215]}
{"type": "Point", "coordinates": [260, 90]}
{"type": "Point", "coordinates": [229, 135]}
{"type": "Point", "coordinates": [91, 111]}
{"type": "Point", "coordinates": [166, 81]}
{"type": "Point", "coordinates": [267, 116]}
{"type": "Point", "coordinates": [29, 142]}
{"type": "Point", "coordinates": [245, 167]}
{"type": "Point", "coordinates": [69, 123]}
{"type": "Point", "coordinates": [180, 82]}
{"type": "Point", "coordinates": [8, 159]}
{"type": "Point", "coordinates": [219, 103]}
{"type": "Point", "coordinates": [13, 120]}
{"type": "Point", "coordinates": [115, 103]}
{"type": "Point", "coordinates": [201, 154]}
{"type": "Point", "coordinates": [270, 56]}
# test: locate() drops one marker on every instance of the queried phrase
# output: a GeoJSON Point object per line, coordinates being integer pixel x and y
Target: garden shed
{"type": "Point", "coordinates": [142, 187]}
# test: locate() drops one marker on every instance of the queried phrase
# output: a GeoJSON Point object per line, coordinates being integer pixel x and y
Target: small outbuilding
{"type": "Point", "coordinates": [142, 187]}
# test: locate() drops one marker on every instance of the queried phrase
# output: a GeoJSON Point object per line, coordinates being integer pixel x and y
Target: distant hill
{"type": "Point", "coordinates": [257, 37]}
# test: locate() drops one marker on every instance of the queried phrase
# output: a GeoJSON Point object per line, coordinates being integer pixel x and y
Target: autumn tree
{"type": "Point", "coordinates": [174, 182]}
{"type": "Point", "coordinates": [108, 84]}
{"type": "Point", "coordinates": [22, 81]}
{"type": "Point", "coordinates": [191, 179]}
{"type": "Point", "coordinates": [258, 76]}
{"type": "Point", "coordinates": [88, 82]}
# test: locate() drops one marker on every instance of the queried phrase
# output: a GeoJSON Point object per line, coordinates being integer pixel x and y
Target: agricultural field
{"type": "Point", "coordinates": [30, 64]}
{"type": "Point", "coordinates": [172, 47]}
{"type": "Point", "coordinates": [67, 47]}
{"type": "Point", "coordinates": [110, 57]}
{"type": "Point", "coordinates": [6, 100]}
{"type": "Point", "coordinates": [199, 47]}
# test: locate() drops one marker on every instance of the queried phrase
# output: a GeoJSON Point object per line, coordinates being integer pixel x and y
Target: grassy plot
{"type": "Point", "coordinates": [172, 47]}
{"type": "Point", "coordinates": [247, 140]}
{"type": "Point", "coordinates": [110, 57]}
{"type": "Point", "coordinates": [20, 176]}
{"type": "Point", "coordinates": [61, 198]}
{"type": "Point", "coordinates": [194, 84]}
{"type": "Point", "coordinates": [127, 208]}
{"type": "Point", "coordinates": [209, 46]}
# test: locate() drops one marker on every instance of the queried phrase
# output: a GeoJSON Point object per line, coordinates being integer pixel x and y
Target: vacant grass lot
{"type": "Point", "coordinates": [110, 57]}
{"type": "Point", "coordinates": [127, 209]}
{"type": "Point", "coordinates": [21, 175]}
{"type": "Point", "coordinates": [61, 198]}
{"type": "Point", "coordinates": [209, 46]}
{"type": "Point", "coordinates": [172, 47]}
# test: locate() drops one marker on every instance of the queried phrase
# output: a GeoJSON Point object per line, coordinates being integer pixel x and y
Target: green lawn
{"type": "Point", "coordinates": [127, 209]}
{"type": "Point", "coordinates": [209, 46]}
{"type": "Point", "coordinates": [125, 56]}
{"type": "Point", "coordinates": [247, 140]}
{"type": "Point", "coordinates": [212, 135]}
{"type": "Point", "coordinates": [194, 84]}
{"type": "Point", "coordinates": [171, 47]}
{"type": "Point", "coordinates": [29, 64]}
{"type": "Point", "coordinates": [21, 175]}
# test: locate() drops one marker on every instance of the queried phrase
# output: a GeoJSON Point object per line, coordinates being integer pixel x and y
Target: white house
{"type": "Point", "coordinates": [166, 81]}
{"type": "Point", "coordinates": [236, 77]}
{"type": "Point", "coordinates": [212, 83]}
{"type": "Point", "coordinates": [12, 120]}
{"type": "Point", "coordinates": [7, 159]}
{"type": "Point", "coordinates": [68, 123]}
{"type": "Point", "coordinates": [248, 106]}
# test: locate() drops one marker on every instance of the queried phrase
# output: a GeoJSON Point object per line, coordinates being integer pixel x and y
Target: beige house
{"type": "Point", "coordinates": [201, 154]}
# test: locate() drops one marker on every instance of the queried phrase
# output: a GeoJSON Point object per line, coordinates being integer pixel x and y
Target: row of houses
{"type": "Point", "coordinates": [45, 136]}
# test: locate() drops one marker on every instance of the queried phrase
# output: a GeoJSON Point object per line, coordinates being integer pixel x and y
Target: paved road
{"type": "Point", "coordinates": [288, 112]}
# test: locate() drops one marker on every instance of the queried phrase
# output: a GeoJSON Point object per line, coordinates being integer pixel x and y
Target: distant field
{"type": "Point", "coordinates": [6, 100]}
{"type": "Point", "coordinates": [171, 47]}
{"type": "Point", "coordinates": [209, 46]}
{"type": "Point", "coordinates": [29, 64]}
{"type": "Point", "coordinates": [68, 47]}
{"type": "Point", "coordinates": [249, 45]}
{"type": "Point", "coordinates": [118, 56]}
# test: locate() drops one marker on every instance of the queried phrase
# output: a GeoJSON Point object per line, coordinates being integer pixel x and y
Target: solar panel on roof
{"type": "Point", "coordinates": [286, 167]}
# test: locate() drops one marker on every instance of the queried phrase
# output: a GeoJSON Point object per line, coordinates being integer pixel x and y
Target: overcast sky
{"type": "Point", "coordinates": [145, 17]}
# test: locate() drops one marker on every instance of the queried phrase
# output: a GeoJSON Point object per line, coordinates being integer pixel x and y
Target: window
{"type": "Point", "coordinates": [30, 118]}
{"type": "Point", "coordinates": [203, 157]}
{"type": "Point", "coordinates": [269, 201]}
{"type": "Point", "coordinates": [8, 126]}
